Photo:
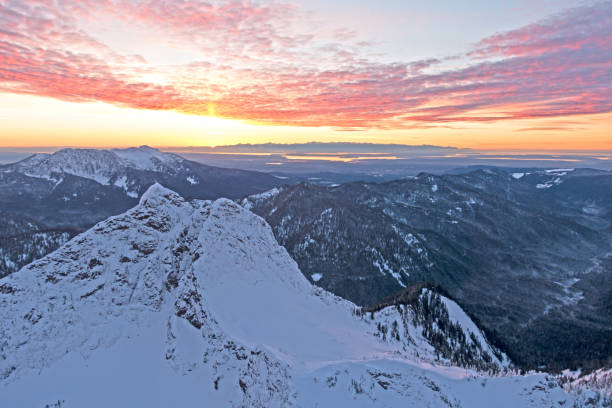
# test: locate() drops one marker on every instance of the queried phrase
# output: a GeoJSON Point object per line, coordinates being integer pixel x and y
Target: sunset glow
{"type": "Point", "coordinates": [191, 73]}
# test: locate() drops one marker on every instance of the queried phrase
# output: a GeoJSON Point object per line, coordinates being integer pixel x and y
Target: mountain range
{"type": "Point", "coordinates": [526, 252]}
{"type": "Point", "coordinates": [83, 186]}
{"type": "Point", "coordinates": [483, 271]}
{"type": "Point", "coordinates": [70, 190]}
{"type": "Point", "coordinates": [186, 303]}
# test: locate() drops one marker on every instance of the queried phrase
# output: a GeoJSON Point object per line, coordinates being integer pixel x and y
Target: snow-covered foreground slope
{"type": "Point", "coordinates": [190, 304]}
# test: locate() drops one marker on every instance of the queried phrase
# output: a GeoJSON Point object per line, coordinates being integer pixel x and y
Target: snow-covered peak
{"type": "Point", "coordinates": [174, 257]}
{"type": "Point", "coordinates": [98, 165]}
{"type": "Point", "coordinates": [102, 166]}
{"type": "Point", "coordinates": [158, 195]}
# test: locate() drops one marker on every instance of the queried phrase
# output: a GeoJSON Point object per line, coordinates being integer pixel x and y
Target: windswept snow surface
{"type": "Point", "coordinates": [188, 304]}
{"type": "Point", "coordinates": [257, 293]}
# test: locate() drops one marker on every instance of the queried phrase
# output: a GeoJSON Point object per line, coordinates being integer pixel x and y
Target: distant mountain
{"type": "Point", "coordinates": [178, 303]}
{"type": "Point", "coordinates": [527, 253]}
{"type": "Point", "coordinates": [79, 187]}
{"type": "Point", "coordinates": [321, 147]}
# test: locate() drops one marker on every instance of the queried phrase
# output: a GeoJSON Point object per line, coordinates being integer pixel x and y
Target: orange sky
{"type": "Point", "coordinates": [114, 74]}
{"type": "Point", "coordinates": [41, 121]}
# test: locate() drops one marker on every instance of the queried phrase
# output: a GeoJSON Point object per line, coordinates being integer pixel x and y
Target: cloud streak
{"type": "Point", "coordinates": [255, 61]}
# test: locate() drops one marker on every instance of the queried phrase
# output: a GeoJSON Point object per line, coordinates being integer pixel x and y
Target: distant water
{"type": "Point", "coordinates": [433, 159]}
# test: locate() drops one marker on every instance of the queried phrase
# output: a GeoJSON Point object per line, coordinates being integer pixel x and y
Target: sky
{"type": "Point", "coordinates": [517, 74]}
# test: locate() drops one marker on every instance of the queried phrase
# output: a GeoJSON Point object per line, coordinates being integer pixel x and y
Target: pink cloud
{"type": "Point", "coordinates": [252, 62]}
{"type": "Point", "coordinates": [574, 29]}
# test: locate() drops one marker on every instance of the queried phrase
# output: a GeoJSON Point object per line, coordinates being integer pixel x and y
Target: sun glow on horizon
{"type": "Point", "coordinates": [36, 121]}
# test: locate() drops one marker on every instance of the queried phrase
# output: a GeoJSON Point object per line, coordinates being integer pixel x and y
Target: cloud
{"type": "Point", "coordinates": [253, 61]}
{"type": "Point", "coordinates": [548, 129]}
{"type": "Point", "coordinates": [573, 29]}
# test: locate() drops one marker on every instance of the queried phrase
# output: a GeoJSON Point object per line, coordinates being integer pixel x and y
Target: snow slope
{"type": "Point", "coordinates": [177, 303]}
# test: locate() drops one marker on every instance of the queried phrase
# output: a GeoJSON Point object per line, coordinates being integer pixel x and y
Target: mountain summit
{"type": "Point", "coordinates": [194, 302]}
{"type": "Point", "coordinates": [133, 170]}
{"type": "Point", "coordinates": [103, 166]}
